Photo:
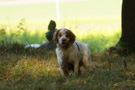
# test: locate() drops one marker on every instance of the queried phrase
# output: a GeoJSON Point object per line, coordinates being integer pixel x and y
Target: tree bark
{"type": "Point", "coordinates": [128, 24]}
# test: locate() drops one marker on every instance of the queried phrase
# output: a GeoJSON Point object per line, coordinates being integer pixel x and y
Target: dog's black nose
{"type": "Point", "coordinates": [63, 40]}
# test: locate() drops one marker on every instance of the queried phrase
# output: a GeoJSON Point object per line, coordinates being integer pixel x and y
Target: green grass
{"type": "Point", "coordinates": [92, 9]}
{"type": "Point", "coordinates": [88, 10]}
{"type": "Point", "coordinates": [39, 12]}
{"type": "Point", "coordinates": [38, 69]}
{"type": "Point", "coordinates": [98, 36]}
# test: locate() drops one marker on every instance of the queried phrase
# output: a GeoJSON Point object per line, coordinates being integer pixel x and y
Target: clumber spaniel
{"type": "Point", "coordinates": [71, 54]}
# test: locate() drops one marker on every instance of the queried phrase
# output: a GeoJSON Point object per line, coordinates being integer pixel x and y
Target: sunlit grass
{"type": "Point", "coordinates": [98, 36]}
{"type": "Point", "coordinates": [40, 12]}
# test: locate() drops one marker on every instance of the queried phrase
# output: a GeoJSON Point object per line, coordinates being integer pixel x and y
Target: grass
{"type": "Point", "coordinates": [88, 10]}
{"type": "Point", "coordinates": [38, 69]}
{"type": "Point", "coordinates": [98, 36]}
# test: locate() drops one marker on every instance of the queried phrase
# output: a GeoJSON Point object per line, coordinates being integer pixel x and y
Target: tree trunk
{"type": "Point", "coordinates": [128, 24]}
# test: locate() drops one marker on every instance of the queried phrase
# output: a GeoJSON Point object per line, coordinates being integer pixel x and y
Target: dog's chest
{"type": "Point", "coordinates": [70, 56]}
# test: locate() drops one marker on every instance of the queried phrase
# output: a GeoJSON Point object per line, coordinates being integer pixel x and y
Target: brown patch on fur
{"type": "Point", "coordinates": [55, 36]}
{"type": "Point", "coordinates": [71, 36]}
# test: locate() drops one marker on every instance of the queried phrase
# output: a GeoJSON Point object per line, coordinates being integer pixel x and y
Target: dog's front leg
{"type": "Point", "coordinates": [64, 72]}
{"type": "Point", "coordinates": [76, 68]}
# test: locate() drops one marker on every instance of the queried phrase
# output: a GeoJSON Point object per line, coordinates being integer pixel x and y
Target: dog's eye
{"type": "Point", "coordinates": [59, 35]}
{"type": "Point", "coordinates": [67, 35]}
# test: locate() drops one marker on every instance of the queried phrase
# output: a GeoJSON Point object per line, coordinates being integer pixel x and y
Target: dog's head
{"type": "Point", "coordinates": [64, 37]}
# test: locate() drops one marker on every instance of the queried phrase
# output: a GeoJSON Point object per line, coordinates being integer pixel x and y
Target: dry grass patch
{"type": "Point", "coordinates": [38, 69]}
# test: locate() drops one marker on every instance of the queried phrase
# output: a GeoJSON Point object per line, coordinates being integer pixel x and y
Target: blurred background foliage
{"type": "Point", "coordinates": [95, 22]}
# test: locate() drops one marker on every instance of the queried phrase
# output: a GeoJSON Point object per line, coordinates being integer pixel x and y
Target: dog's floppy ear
{"type": "Point", "coordinates": [72, 36]}
{"type": "Point", "coordinates": [55, 36]}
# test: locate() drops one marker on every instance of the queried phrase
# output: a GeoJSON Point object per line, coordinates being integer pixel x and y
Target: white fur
{"type": "Point", "coordinates": [70, 52]}
{"type": "Point", "coordinates": [75, 55]}
{"type": "Point", "coordinates": [63, 31]}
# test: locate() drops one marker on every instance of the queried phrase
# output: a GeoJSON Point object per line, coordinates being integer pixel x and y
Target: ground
{"type": "Point", "coordinates": [38, 69]}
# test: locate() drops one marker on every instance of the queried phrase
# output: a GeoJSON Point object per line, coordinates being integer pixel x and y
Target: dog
{"type": "Point", "coordinates": [71, 54]}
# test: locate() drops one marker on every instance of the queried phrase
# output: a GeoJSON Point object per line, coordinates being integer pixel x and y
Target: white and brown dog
{"type": "Point", "coordinates": [71, 54]}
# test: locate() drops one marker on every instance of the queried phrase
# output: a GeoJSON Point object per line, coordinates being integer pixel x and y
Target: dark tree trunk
{"type": "Point", "coordinates": [128, 24]}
